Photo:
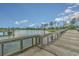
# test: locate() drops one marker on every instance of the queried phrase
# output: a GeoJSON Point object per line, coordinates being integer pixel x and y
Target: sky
{"type": "Point", "coordinates": [34, 14]}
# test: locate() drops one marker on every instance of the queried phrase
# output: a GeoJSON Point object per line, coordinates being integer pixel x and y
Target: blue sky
{"type": "Point", "coordinates": [28, 15]}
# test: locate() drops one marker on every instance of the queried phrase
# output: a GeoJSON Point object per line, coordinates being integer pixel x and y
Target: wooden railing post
{"type": "Point", "coordinates": [32, 41]}
{"type": "Point", "coordinates": [57, 36]}
{"type": "Point", "coordinates": [13, 32]}
{"type": "Point", "coordinates": [36, 40]}
{"type": "Point", "coordinates": [2, 49]}
{"type": "Point", "coordinates": [52, 38]}
{"type": "Point", "coordinates": [47, 40]}
{"type": "Point", "coordinates": [41, 41]}
{"type": "Point", "coordinates": [21, 45]}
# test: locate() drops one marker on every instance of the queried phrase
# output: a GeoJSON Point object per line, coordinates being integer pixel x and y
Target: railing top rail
{"type": "Point", "coordinates": [17, 38]}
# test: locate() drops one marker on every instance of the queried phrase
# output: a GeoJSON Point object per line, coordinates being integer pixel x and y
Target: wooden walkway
{"type": "Point", "coordinates": [67, 45]}
{"type": "Point", "coordinates": [35, 51]}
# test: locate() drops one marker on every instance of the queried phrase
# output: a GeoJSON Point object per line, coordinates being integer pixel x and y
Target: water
{"type": "Point", "coordinates": [15, 46]}
{"type": "Point", "coordinates": [20, 33]}
{"type": "Point", "coordinates": [28, 32]}
{"type": "Point", "coordinates": [1, 33]}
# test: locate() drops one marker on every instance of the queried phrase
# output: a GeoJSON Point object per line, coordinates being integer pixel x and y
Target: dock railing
{"type": "Point", "coordinates": [20, 44]}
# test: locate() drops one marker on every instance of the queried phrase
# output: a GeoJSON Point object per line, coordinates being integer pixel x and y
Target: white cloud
{"type": "Point", "coordinates": [68, 10]}
{"type": "Point", "coordinates": [17, 22]}
{"type": "Point", "coordinates": [74, 5]}
{"type": "Point", "coordinates": [64, 20]}
{"type": "Point", "coordinates": [21, 22]}
{"type": "Point", "coordinates": [24, 21]}
{"type": "Point", "coordinates": [31, 25]}
{"type": "Point", "coordinates": [68, 22]}
{"type": "Point", "coordinates": [61, 14]}
{"type": "Point", "coordinates": [43, 22]}
{"type": "Point", "coordinates": [59, 19]}
{"type": "Point", "coordinates": [70, 7]}
{"type": "Point", "coordinates": [66, 17]}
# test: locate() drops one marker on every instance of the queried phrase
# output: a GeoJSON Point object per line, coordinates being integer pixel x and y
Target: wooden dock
{"type": "Point", "coordinates": [17, 45]}
{"type": "Point", "coordinates": [67, 45]}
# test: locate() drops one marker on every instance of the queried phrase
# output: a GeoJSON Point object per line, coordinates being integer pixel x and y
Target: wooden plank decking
{"type": "Point", "coordinates": [67, 45]}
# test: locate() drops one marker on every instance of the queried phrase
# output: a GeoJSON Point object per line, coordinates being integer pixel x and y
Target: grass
{"type": "Point", "coordinates": [52, 30]}
{"type": "Point", "coordinates": [3, 29]}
